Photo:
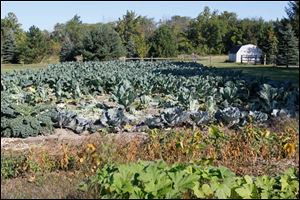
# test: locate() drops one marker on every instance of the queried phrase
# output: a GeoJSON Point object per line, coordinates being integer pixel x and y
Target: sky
{"type": "Point", "coordinates": [45, 14]}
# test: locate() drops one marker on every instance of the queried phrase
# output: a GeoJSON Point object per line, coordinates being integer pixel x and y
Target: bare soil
{"type": "Point", "coordinates": [52, 143]}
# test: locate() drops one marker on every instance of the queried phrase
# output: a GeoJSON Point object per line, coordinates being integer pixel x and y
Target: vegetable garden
{"type": "Point", "coordinates": [180, 94]}
{"type": "Point", "coordinates": [117, 97]}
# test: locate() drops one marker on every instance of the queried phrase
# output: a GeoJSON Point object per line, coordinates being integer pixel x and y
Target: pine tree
{"type": "Point", "coordinates": [293, 15]}
{"type": "Point", "coordinates": [9, 49]}
{"type": "Point", "coordinates": [102, 43]}
{"type": "Point", "coordinates": [288, 52]}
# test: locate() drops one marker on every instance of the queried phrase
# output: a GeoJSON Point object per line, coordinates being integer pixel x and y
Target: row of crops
{"type": "Point", "coordinates": [148, 180]}
{"type": "Point", "coordinates": [138, 95]}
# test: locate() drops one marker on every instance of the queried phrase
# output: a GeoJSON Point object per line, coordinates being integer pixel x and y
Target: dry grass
{"type": "Point", "coordinates": [43, 64]}
{"type": "Point", "coordinates": [54, 185]}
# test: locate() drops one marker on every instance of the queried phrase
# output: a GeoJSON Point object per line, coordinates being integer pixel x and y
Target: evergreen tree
{"type": "Point", "coordinates": [10, 24]}
{"type": "Point", "coordinates": [9, 49]}
{"type": "Point", "coordinates": [288, 52]}
{"type": "Point", "coordinates": [293, 13]}
{"type": "Point", "coordinates": [163, 43]}
{"type": "Point", "coordinates": [102, 43]}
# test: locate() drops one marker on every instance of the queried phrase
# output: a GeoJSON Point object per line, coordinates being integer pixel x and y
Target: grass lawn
{"type": "Point", "coordinates": [45, 63]}
{"type": "Point", "coordinates": [11, 67]}
{"type": "Point", "coordinates": [275, 73]}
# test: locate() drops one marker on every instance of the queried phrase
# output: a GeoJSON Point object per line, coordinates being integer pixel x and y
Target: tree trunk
{"type": "Point", "coordinates": [210, 57]}
{"type": "Point", "coordinates": [287, 61]}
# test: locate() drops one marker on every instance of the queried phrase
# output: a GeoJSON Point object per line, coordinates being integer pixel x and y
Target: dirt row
{"type": "Point", "coordinates": [52, 143]}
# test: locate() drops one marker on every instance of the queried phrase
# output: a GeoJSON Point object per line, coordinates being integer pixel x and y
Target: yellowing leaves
{"type": "Point", "coordinates": [90, 148]}
{"type": "Point", "coordinates": [289, 149]}
{"type": "Point", "coordinates": [81, 160]}
{"type": "Point", "coordinates": [31, 179]}
{"type": "Point", "coordinates": [266, 133]}
{"type": "Point", "coordinates": [128, 127]}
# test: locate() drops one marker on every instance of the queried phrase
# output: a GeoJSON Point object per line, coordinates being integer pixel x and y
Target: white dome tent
{"type": "Point", "coordinates": [248, 53]}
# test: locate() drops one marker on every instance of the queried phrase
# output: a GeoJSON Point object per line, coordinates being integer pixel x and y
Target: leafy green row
{"type": "Point", "coordinates": [184, 82]}
{"type": "Point", "coordinates": [184, 92]}
{"type": "Point", "coordinates": [148, 180]}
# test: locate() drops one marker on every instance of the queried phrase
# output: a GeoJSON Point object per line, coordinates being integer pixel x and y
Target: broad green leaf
{"type": "Point", "coordinates": [206, 189]}
{"type": "Point", "coordinates": [248, 179]}
{"type": "Point", "coordinates": [284, 183]}
{"type": "Point", "coordinates": [245, 193]}
{"type": "Point", "coordinates": [199, 193]}
{"type": "Point", "coordinates": [222, 191]}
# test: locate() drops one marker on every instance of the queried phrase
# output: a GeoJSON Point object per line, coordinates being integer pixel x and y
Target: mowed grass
{"type": "Point", "coordinates": [43, 64]}
{"type": "Point", "coordinates": [12, 67]}
{"type": "Point", "coordinates": [274, 73]}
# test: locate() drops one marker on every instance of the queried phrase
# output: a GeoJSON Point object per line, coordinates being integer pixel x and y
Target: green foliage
{"type": "Point", "coordinates": [10, 23]}
{"type": "Point", "coordinates": [211, 32]}
{"type": "Point", "coordinates": [180, 25]}
{"type": "Point", "coordinates": [124, 93]}
{"type": "Point", "coordinates": [270, 46]}
{"type": "Point", "coordinates": [127, 27]}
{"type": "Point", "coordinates": [10, 166]}
{"type": "Point", "coordinates": [288, 52]}
{"type": "Point", "coordinates": [67, 52]}
{"type": "Point", "coordinates": [25, 120]}
{"type": "Point", "coordinates": [35, 47]}
{"type": "Point", "coordinates": [102, 43]}
{"type": "Point", "coordinates": [135, 31]}
{"type": "Point", "coordinates": [69, 35]}
{"type": "Point", "coordinates": [159, 180]}
{"type": "Point", "coordinates": [10, 33]}
{"type": "Point", "coordinates": [163, 43]}
{"type": "Point", "coordinates": [293, 13]}
{"type": "Point", "coordinates": [9, 51]}
{"type": "Point", "coordinates": [142, 46]}
{"type": "Point", "coordinates": [186, 94]}
{"type": "Point", "coordinates": [268, 94]}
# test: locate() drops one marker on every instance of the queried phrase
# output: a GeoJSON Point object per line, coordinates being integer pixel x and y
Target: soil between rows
{"type": "Point", "coordinates": [53, 142]}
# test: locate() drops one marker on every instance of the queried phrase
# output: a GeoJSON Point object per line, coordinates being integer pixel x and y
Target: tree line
{"type": "Point", "coordinates": [132, 35]}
